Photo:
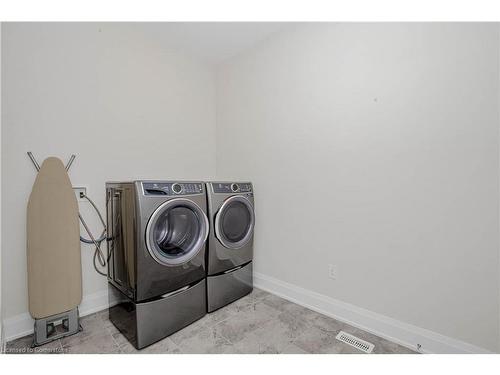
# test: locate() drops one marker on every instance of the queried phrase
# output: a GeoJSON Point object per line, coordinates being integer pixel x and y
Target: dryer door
{"type": "Point", "coordinates": [176, 232]}
{"type": "Point", "coordinates": [234, 222]}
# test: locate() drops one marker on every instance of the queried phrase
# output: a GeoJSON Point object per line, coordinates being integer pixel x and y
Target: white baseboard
{"type": "Point", "coordinates": [22, 324]}
{"type": "Point", "coordinates": [391, 329]}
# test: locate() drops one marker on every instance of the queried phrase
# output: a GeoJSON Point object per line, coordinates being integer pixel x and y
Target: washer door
{"type": "Point", "coordinates": [176, 232]}
{"type": "Point", "coordinates": [234, 222]}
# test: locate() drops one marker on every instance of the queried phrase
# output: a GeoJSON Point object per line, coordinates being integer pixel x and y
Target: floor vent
{"type": "Point", "coordinates": [356, 342]}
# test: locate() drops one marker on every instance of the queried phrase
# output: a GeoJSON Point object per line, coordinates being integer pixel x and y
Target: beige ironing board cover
{"type": "Point", "coordinates": [53, 243]}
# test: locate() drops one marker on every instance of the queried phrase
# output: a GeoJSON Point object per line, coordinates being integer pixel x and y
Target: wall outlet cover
{"type": "Point", "coordinates": [80, 192]}
{"type": "Point", "coordinates": [332, 271]}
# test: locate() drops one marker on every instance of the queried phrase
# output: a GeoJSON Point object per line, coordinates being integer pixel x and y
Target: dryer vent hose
{"type": "Point", "coordinates": [98, 254]}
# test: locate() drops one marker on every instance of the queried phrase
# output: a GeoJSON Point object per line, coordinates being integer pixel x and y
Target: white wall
{"type": "Point", "coordinates": [128, 109]}
{"type": "Point", "coordinates": [374, 147]}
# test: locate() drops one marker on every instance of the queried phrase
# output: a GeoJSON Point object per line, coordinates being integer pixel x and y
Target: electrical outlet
{"type": "Point", "coordinates": [80, 192]}
{"type": "Point", "coordinates": [332, 271]}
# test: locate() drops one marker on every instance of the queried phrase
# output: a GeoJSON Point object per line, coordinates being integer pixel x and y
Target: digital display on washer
{"type": "Point", "coordinates": [172, 188]}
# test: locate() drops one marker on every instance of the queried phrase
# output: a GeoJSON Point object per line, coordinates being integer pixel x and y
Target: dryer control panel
{"type": "Point", "coordinates": [172, 188]}
{"type": "Point", "coordinates": [232, 187]}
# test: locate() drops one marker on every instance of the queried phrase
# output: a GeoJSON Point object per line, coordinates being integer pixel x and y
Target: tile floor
{"type": "Point", "coordinates": [258, 323]}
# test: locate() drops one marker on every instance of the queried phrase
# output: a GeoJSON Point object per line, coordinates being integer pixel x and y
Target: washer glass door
{"type": "Point", "coordinates": [176, 232]}
{"type": "Point", "coordinates": [234, 222]}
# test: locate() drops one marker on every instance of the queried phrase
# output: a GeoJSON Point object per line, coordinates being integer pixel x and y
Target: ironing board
{"type": "Point", "coordinates": [53, 243]}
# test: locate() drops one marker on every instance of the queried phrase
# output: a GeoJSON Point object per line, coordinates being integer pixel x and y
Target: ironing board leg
{"type": "Point", "coordinates": [56, 326]}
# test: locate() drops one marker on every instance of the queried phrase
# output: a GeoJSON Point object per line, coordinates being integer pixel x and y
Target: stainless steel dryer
{"type": "Point", "coordinates": [230, 242]}
{"type": "Point", "coordinates": [157, 232]}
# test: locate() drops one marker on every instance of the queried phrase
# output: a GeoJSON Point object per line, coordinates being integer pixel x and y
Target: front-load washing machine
{"type": "Point", "coordinates": [157, 232]}
{"type": "Point", "coordinates": [230, 242]}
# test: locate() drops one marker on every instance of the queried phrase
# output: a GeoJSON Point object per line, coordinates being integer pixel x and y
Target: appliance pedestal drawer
{"type": "Point", "coordinates": [229, 286]}
{"type": "Point", "coordinates": [145, 323]}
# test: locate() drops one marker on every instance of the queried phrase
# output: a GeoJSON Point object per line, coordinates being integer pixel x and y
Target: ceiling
{"type": "Point", "coordinates": [212, 42]}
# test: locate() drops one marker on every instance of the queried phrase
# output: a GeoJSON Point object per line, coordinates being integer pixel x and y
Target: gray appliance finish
{"type": "Point", "coordinates": [157, 233]}
{"type": "Point", "coordinates": [230, 242]}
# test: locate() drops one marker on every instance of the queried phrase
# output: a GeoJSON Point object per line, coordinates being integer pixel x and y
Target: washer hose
{"type": "Point", "coordinates": [98, 254]}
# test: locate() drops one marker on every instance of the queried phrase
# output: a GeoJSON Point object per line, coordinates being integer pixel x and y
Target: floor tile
{"type": "Point", "coordinates": [257, 323]}
{"type": "Point", "coordinates": [325, 323]}
{"type": "Point", "coordinates": [270, 338]}
{"type": "Point", "coordinates": [101, 343]}
{"type": "Point", "coordinates": [248, 318]}
{"type": "Point", "coordinates": [315, 340]}
{"type": "Point", "coordinates": [188, 332]}
{"type": "Point", "coordinates": [283, 305]}
{"type": "Point", "coordinates": [91, 325]}
{"type": "Point", "coordinates": [257, 294]}
{"type": "Point", "coordinates": [293, 349]}
{"type": "Point", "coordinates": [207, 341]}
{"type": "Point", "coordinates": [217, 316]}
{"type": "Point", "coordinates": [165, 346]}
{"type": "Point", "coordinates": [292, 326]}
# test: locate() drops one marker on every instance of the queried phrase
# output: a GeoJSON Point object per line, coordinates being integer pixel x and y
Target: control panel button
{"type": "Point", "coordinates": [235, 187]}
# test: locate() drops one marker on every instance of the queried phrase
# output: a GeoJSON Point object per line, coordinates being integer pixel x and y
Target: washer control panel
{"type": "Point", "coordinates": [172, 188]}
{"type": "Point", "coordinates": [232, 187]}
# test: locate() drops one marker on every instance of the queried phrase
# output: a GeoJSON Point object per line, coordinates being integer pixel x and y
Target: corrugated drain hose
{"type": "Point", "coordinates": [98, 254]}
